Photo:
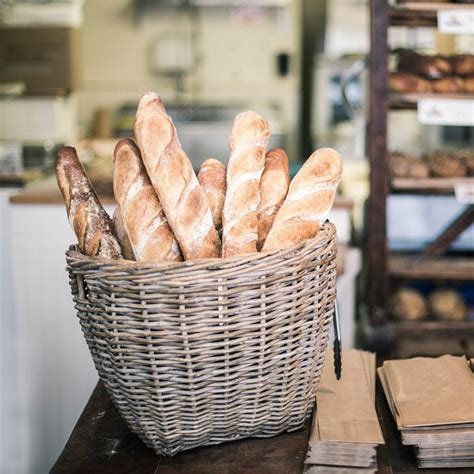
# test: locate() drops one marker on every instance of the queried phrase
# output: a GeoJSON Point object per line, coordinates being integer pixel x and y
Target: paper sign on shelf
{"type": "Point", "coordinates": [456, 22]}
{"type": "Point", "coordinates": [446, 111]}
{"type": "Point", "coordinates": [464, 193]}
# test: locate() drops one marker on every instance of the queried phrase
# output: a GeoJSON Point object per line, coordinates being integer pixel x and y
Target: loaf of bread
{"type": "Point", "coordinates": [212, 177]}
{"type": "Point", "coordinates": [468, 84]}
{"type": "Point", "coordinates": [404, 165]}
{"type": "Point", "coordinates": [466, 156]}
{"type": "Point", "coordinates": [91, 224]}
{"type": "Point", "coordinates": [308, 202]}
{"type": "Point", "coordinates": [447, 304]}
{"type": "Point", "coordinates": [432, 67]}
{"type": "Point", "coordinates": [124, 241]}
{"type": "Point", "coordinates": [407, 304]}
{"type": "Point", "coordinates": [171, 172]}
{"type": "Point", "coordinates": [444, 164]}
{"type": "Point", "coordinates": [248, 140]}
{"type": "Point", "coordinates": [407, 82]}
{"type": "Point", "coordinates": [448, 85]}
{"type": "Point", "coordinates": [143, 216]}
{"type": "Point", "coordinates": [462, 64]}
{"type": "Point", "coordinates": [273, 189]}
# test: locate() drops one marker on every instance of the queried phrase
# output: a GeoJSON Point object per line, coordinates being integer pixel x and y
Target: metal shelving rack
{"type": "Point", "coordinates": [383, 267]}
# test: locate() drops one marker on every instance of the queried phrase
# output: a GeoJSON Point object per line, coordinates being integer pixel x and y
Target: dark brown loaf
{"type": "Point", "coordinates": [308, 202]}
{"type": "Point", "coordinates": [143, 216]}
{"type": "Point", "coordinates": [171, 173]}
{"type": "Point", "coordinates": [92, 225]}
{"type": "Point", "coordinates": [432, 67]}
{"type": "Point", "coordinates": [212, 177]}
{"type": "Point", "coordinates": [122, 236]}
{"type": "Point", "coordinates": [247, 141]}
{"type": "Point", "coordinates": [273, 189]}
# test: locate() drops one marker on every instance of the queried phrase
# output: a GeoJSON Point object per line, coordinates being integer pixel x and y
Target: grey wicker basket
{"type": "Point", "coordinates": [202, 352]}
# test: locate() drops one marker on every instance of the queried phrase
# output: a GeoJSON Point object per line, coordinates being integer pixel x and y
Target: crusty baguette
{"type": "Point", "coordinates": [92, 225]}
{"type": "Point", "coordinates": [172, 175]}
{"type": "Point", "coordinates": [212, 179]}
{"type": "Point", "coordinates": [308, 202]}
{"type": "Point", "coordinates": [122, 236]}
{"type": "Point", "coordinates": [144, 220]}
{"type": "Point", "coordinates": [273, 189]}
{"type": "Point", "coordinates": [248, 140]}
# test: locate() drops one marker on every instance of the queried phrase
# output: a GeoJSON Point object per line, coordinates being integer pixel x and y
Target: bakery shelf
{"type": "Point", "coordinates": [466, 328]}
{"type": "Point", "coordinates": [429, 185]}
{"type": "Point", "coordinates": [410, 100]}
{"type": "Point", "coordinates": [420, 13]}
{"type": "Point", "coordinates": [414, 267]}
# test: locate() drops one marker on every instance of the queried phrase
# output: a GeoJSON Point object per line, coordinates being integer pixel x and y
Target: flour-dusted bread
{"type": "Point", "coordinates": [212, 177]}
{"type": "Point", "coordinates": [144, 219]}
{"type": "Point", "coordinates": [91, 224]}
{"type": "Point", "coordinates": [273, 189]}
{"type": "Point", "coordinates": [124, 241]}
{"type": "Point", "coordinates": [308, 202]}
{"type": "Point", "coordinates": [248, 140]}
{"type": "Point", "coordinates": [171, 173]}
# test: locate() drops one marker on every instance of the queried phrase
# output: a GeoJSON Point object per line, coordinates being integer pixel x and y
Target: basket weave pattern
{"type": "Point", "coordinates": [198, 353]}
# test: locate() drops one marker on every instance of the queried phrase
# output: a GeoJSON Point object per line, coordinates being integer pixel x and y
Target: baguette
{"type": "Point", "coordinates": [143, 217]}
{"type": "Point", "coordinates": [273, 189]}
{"type": "Point", "coordinates": [122, 236]}
{"type": "Point", "coordinates": [212, 179]}
{"type": "Point", "coordinates": [248, 140]}
{"type": "Point", "coordinates": [309, 200]}
{"type": "Point", "coordinates": [91, 224]}
{"type": "Point", "coordinates": [171, 173]}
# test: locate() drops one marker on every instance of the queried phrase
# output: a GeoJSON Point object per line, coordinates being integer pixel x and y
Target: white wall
{"type": "Point", "coordinates": [55, 373]}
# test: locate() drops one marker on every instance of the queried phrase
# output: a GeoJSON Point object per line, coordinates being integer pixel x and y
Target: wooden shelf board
{"type": "Point", "coordinates": [441, 268]}
{"type": "Point", "coordinates": [465, 328]}
{"type": "Point", "coordinates": [410, 100]}
{"type": "Point", "coordinates": [430, 6]}
{"type": "Point", "coordinates": [414, 14]}
{"type": "Point", "coordinates": [429, 185]}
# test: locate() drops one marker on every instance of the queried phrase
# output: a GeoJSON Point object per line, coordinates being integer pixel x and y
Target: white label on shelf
{"type": "Point", "coordinates": [464, 192]}
{"type": "Point", "coordinates": [446, 111]}
{"type": "Point", "coordinates": [456, 22]}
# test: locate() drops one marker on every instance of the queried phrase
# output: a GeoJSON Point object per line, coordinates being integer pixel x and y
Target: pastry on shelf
{"type": "Point", "coordinates": [404, 165]}
{"type": "Point", "coordinates": [408, 304]}
{"type": "Point", "coordinates": [468, 84]}
{"type": "Point", "coordinates": [462, 64]}
{"type": "Point", "coordinates": [431, 67]}
{"type": "Point", "coordinates": [447, 304]}
{"type": "Point", "coordinates": [443, 164]}
{"type": "Point", "coordinates": [448, 85]}
{"type": "Point", "coordinates": [406, 82]}
{"type": "Point", "coordinates": [466, 156]}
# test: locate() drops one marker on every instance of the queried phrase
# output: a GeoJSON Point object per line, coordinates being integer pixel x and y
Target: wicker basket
{"type": "Point", "coordinates": [203, 352]}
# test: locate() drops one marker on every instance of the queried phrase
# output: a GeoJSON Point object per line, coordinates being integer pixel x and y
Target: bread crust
{"type": "Point", "coordinates": [91, 224]}
{"type": "Point", "coordinates": [247, 141]}
{"type": "Point", "coordinates": [274, 185]}
{"type": "Point", "coordinates": [308, 202]}
{"type": "Point", "coordinates": [212, 177]}
{"type": "Point", "coordinates": [172, 176]}
{"type": "Point", "coordinates": [144, 219]}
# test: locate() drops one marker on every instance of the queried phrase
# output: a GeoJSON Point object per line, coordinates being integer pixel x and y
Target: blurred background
{"type": "Point", "coordinates": [71, 72]}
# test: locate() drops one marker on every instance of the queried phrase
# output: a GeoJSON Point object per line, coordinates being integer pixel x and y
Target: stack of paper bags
{"type": "Point", "coordinates": [345, 430]}
{"type": "Point", "coordinates": [432, 401]}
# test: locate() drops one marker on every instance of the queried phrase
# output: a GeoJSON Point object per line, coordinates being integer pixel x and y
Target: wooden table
{"type": "Point", "coordinates": [102, 443]}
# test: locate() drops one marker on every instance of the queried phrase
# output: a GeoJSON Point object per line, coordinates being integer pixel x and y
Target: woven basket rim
{"type": "Point", "coordinates": [325, 234]}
